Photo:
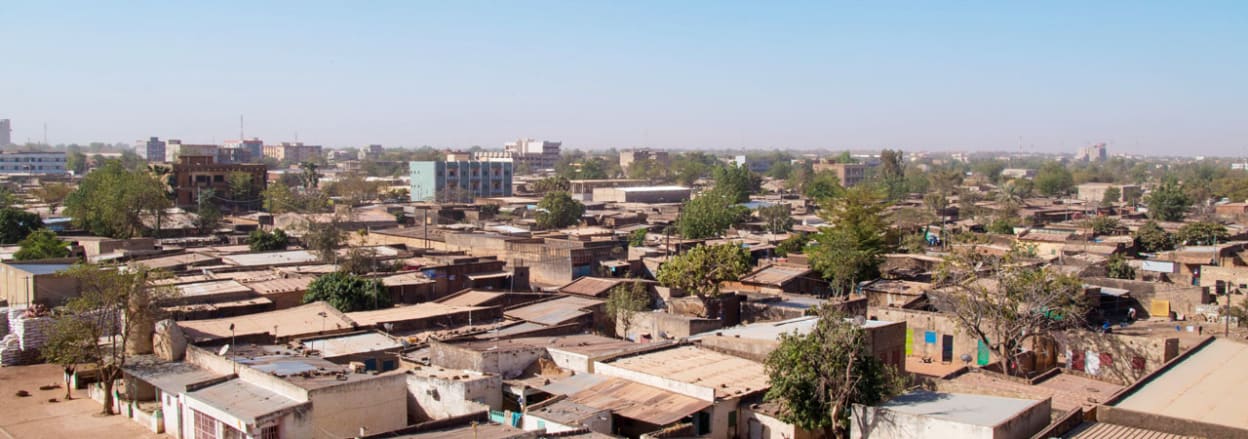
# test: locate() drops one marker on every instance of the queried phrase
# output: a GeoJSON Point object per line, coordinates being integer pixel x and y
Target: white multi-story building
{"type": "Point", "coordinates": [32, 163]}
{"type": "Point", "coordinates": [535, 154]}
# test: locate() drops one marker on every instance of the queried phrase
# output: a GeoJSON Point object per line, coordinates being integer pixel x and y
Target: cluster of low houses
{"type": "Point", "coordinates": [500, 331]}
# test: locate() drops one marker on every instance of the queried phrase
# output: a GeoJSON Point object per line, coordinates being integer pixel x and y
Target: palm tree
{"type": "Point", "coordinates": [1010, 196]}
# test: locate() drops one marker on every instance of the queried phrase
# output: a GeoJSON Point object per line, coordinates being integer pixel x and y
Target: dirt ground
{"type": "Point", "coordinates": [35, 417]}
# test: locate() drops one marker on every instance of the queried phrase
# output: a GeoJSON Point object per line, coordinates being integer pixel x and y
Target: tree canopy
{"type": "Point", "coordinates": [817, 377]}
{"type": "Point", "coordinates": [735, 182]}
{"type": "Point", "coordinates": [625, 301]}
{"type": "Point", "coordinates": [1151, 238]}
{"type": "Point", "coordinates": [111, 200]}
{"type": "Point", "coordinates": [348, 292]}
{"type": "Point", "coordinates": [41, 244]}
{"type": "Point", "coordinates": [1004, 301]}
{"type": "Point", "coordinates": [262, 241]}
{"type": "Point", "coordinates": [851, 248]}
{"type": "Point", "coordinates": [16, 224]}
{"type": "Point", "coordinates": [1054, 179]}
{"type": "Point", "coordinates": [558, 210]}
{"type": "Point", "coordinates": [700, 270]}
{"type": "Point", "coordinates": [1202, 233]}
{"type": "Point", "coordinates": [111, 319]}
{"type": "Point", "coordinates": [1168, 202]}
{"type": "Point", "coordinates": [709, 215]}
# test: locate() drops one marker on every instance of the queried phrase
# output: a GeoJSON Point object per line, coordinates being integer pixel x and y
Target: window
{"type": "Point", "coordinates": [271, 432]}
{"type": "Point", "coordinates": [231, 433]}
{"type": "Point", "coordinates": [205, 426]}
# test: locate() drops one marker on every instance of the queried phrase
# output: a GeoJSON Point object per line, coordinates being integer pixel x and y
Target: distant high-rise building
{"type": "Point", "coordinates": [293, 152]}
{"type": "Point", "coordinates": [459, 181]}
{"type": "Point", "coordinates": [535, 154]}
{"type": "Point", "coordinates": [6, 132]}
{"type": "Point", "coordinates": [372, 152]}
{"type": "Point", "coordinates": [152, 149]}
{"type": "Point", "coordinates": [1092, 153]}
{"type": "Point", "coordinates": [240, 151]}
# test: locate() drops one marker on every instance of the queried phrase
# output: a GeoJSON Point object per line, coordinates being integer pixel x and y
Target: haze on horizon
{"type": "Point", "coordinates": [1156, 78]}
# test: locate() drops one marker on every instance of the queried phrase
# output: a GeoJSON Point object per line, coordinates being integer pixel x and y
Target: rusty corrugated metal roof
{"type": "Point", "coordinates": [633, 400]}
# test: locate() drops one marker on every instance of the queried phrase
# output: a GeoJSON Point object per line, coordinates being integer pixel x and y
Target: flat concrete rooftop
{"type": "Point", "coordinates": [1207, 386]}
{"type": "Point", "coordinates": [987, 411]}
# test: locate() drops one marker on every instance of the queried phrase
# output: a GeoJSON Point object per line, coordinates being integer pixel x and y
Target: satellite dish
{"type": "Point", "coordinates": [860, 320]}
{"type": "Point", "coordinates": [224, 349]}
{"type": "Point", "coordinates": [389, 326]}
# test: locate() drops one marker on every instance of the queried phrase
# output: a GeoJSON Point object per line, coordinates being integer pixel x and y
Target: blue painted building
{"type": "Point", "coordinates": [459, 180]}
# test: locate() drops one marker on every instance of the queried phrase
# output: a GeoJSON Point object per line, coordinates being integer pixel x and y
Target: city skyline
{"type": "Point", "coordinates": [1144, 78]}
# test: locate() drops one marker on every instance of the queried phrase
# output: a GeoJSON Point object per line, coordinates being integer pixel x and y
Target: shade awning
{"type": "Point", "coordinates": [492, 275]}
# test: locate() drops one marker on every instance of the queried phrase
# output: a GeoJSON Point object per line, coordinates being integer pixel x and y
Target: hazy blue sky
{"type": "Point", "coordinates": [1152, 77]}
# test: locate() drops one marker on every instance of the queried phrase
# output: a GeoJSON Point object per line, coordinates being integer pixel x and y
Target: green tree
{"type": "Point", "coordinates": [818, 377]}
{"type": "Point", "coordinates": [16, 224]}
{"type": "Point", "coordinates": [278, 198]}
{"type": "Point", "coordinates": [1118, 268]}
{"type": "Point", "coordinates": [109, 321]}
{"type": "Point", "coordinates": [241, 191]}
{"type": "Point", "coordinates": [558, 210]}
{"type": "Point", "coordinates": [1053, 179]}
{"type": "Point", "coordinates": [801, 176]}
{"type": "Point", "coordinates": [851, 249]}
{"type": "Point", "coordinates": [1202, 233]}
{"type": "Point", "coordinates": [207, 214]}
{"type": "Point", "coordinates": [1002, 226]}
{"type": "Point", "coordinates": [625, 301]}
{"type": "Point", "coordinates": [637, 238]}
{"type": "Point", "coordinates": [552, 184]}
{"type": "Point", "coordinates": [348, 292]}
{"type": "Point", "coordinates": [709, 215]}
{"type": "Point", "coordinates": [1003, 301]}
{"type": "Point", "coordinates": [324, 238]}
{"type": "Point", "coordinates": [990, 169]}
{"type": "Point", "coordinates": [1111, 195]}
{"type": "Point", "coordinates": [71, 344]}
{"type": "Point", "coordinates": [892, 174]}
{"type": "Point", "coordinates": [53, 194]}
{"type": "Point", "coordinates": [823, 186]}
{"type": "Point", "coordinates": [1151, 238]}
{"type": "Point", "coordinates": [1168, 202]}
{"type": "Point", "coordinates": [1103, 225]}
{"type": "Point", "coordinates": [792, 245]}
{"type": "Point", "coordinates": [111, 200]}
{"type": "Point", "coordinates": [41, 244]}
{"type": "Point", "coordinates": [311, 177]}
{"type": "Point", "coordinates": [780, 170]}
{"type": "Point", "coordinates": [76, 162]}
{"type": "Point", "coordinates": [261, 241]}
{"type": "Point", "coordinates": [735, 182]}
{"type": "Point", "coordinates": [776, 218]}
{"type": "Point", "coordinates": [700, 270]}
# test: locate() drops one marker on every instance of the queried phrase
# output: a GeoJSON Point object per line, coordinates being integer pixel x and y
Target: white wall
{"type": "Point", "coordinates": [454, 397]}
{"type": "Point", "coordinates": [378, 404]}
{"type": "Point", "coordinates": [874, 422]}
{"type": "Point", "coordinates": [572, 361]}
